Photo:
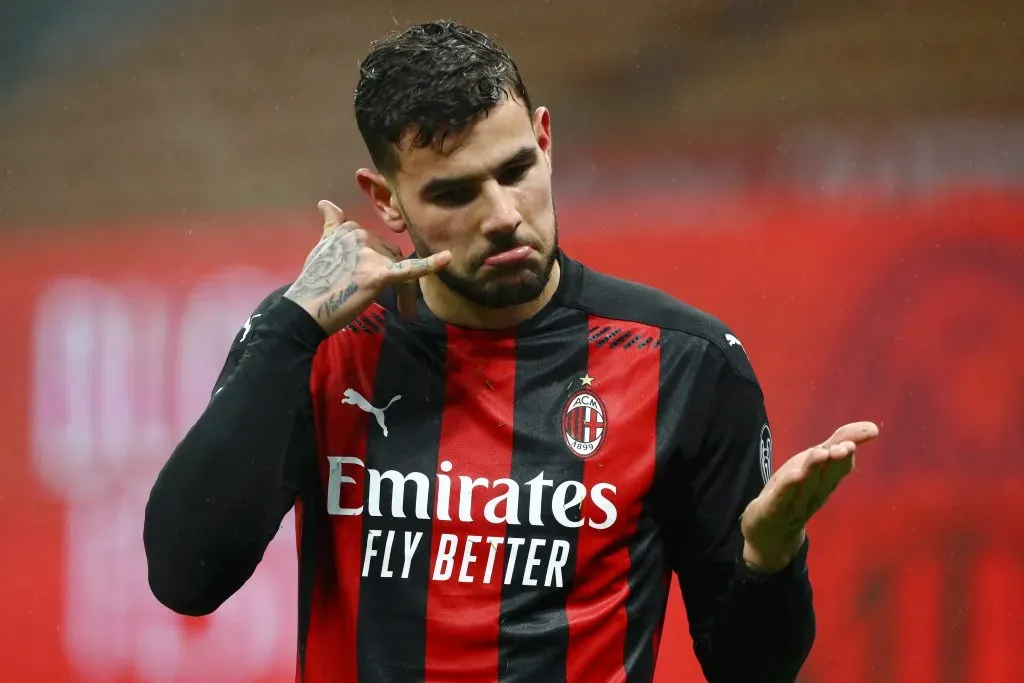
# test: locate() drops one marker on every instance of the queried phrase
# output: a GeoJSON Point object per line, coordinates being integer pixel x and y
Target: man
{"type": "Point", "coordinates": [497, 455]}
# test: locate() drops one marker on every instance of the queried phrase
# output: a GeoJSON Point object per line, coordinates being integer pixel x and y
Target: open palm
{"type": "Point", "coordinates": [773, 523]}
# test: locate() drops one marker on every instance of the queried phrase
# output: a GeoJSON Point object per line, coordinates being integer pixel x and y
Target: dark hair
{"type": "Point", "coordinates": [434, 78]}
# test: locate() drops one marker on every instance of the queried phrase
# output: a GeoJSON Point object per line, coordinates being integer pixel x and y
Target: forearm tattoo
{"type": "Point", "coordinates": [334, 259]}
{"type": "Point", "coordinates": [336, 301]}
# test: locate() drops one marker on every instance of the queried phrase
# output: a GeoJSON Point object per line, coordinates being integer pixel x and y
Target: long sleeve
{"type": "Point", "coordinates": [220, 498]}
{"type": "Point", "coordinates": [745, 627]}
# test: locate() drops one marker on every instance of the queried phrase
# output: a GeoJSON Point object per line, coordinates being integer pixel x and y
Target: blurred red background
{"type": "Point", "coordinates": [908, 312]}
{"type": "Point", "coordinates": [841, 182]}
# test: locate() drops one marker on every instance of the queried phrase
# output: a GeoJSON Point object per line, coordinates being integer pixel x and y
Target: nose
{"type": "Point", "coordinates": [502, 213]}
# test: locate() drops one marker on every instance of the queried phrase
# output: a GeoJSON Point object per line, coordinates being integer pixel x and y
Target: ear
{"type": "Point", "coordinates": [542, 129]}
{"type": "Point", "coordinates": [382, 197]}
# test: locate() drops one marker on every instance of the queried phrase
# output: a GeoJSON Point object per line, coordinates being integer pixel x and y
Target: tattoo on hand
{"type": "Point", "coordinates": [330, 261]}
{"type": "Point", "coordinates": [336, 301]}
{"type": "Point", "coordinates": [414, 264]}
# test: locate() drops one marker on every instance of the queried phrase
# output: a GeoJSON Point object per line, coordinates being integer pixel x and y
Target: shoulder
{"type": "Point", "coordinates": [244, 336]}
{"type": "Point", "coordinates": [680, 323]}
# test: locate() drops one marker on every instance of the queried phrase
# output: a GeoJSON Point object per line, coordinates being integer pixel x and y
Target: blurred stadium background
{"type": "Point", "coordinates": [843, 182]}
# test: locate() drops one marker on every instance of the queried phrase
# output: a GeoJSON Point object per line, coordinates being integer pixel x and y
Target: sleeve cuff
{"type": "Point", "coordinates": [286, 315]}
{"type": "Point", "coordinates": [796, 569]}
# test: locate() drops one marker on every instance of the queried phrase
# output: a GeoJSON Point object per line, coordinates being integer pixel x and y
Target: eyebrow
{"type": "Point", "coordinates": [439, 185]}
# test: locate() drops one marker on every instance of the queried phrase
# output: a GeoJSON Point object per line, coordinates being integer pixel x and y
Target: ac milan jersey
{"type": "Point", "coordinates": [507, 505]}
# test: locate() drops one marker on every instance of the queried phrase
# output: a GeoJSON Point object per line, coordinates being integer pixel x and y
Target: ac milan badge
{"type": "Point", "coordinates": [584, 424]}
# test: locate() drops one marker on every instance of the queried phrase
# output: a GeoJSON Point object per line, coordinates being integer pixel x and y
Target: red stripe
{"type": "Point", "coordinates": [666, 584]}
{"type": "Point", "coordinates": [476, 439]}
{"type": "Point", "coordinates": [346, 360]}
{"type": "Point", "coordinates": [626, 381]}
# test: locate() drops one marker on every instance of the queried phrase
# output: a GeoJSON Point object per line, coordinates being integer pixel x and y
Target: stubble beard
{"type": "Point", "coordinates": [500, 292]}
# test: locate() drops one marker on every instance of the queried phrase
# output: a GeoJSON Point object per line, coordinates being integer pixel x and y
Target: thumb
{"type": "Point", "coordinates": [857, 432]}
{"type": "Point", "coordinates": [333, 216]}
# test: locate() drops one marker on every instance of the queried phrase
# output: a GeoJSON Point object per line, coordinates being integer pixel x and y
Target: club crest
{"type": "Point", "coordinates": [584, 424]}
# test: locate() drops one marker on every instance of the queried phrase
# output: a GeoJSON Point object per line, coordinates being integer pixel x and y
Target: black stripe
{"type": "Point", "coordinates": [648, 592]}
{"type": "Point", "coordinates": [392, 628]}
{"type": "Point", "coordinates": [307, 577]}
{"type": "Point", "coordinates": [534, 636]}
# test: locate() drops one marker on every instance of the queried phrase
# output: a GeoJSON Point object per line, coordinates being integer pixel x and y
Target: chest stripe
{"type": "Point", "coordinates": [469, 528]}
{"type": "Point", "coordinates": [625, 372]}
{"type": "Point", "coordinates": [331, 652]}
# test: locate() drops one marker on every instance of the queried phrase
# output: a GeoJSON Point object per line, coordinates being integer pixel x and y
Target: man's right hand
{"type": "Point", "coordinates": [350, 267]}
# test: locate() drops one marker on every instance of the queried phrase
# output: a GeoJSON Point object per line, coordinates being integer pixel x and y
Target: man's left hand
{"type": "Point", "coordinates": [774, 523]}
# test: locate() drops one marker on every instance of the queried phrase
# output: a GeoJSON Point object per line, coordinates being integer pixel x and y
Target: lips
{"type": "Point", "coordinates": [509, 256]}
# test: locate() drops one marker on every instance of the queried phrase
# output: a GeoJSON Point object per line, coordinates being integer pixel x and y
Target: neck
{"type": "Point", "coordinates": [456, 310]}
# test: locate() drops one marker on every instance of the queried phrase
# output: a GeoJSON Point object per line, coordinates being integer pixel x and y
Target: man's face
{"type": "Point", "coordinates": [486, 198]}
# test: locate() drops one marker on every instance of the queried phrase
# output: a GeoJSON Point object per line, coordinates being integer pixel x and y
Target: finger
{"type": "Point", "coordinates": [812, 494]}
{"type": "Point", "coordinates": [806, 469]}
{"type": "Point", "coordinates": [835, 471]}
{"type": "Point", "coordinates": [826, 478]}
{"type": "Point", "coordinates": [791, 481]}
{"type": "Point", "coordinates": [836, 459]}
{"type": "Point", "coordinates": [856, 432]}
{"type": "Point", "coordinates": [333, 216]}
{"type": "Point", "coordinates": [382, 247]}
{"type": "Point", "coordinates": [816, 458]}
{"type": "Point", "coordinates": [415, 268]}
{"type": "Point", "coordinates": [788, 493]}
{"type": "Point", "coordinates": [843, 452]}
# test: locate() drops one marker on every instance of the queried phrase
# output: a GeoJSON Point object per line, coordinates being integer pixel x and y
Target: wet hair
{"type": "Point", "coordinates": [430, 80]}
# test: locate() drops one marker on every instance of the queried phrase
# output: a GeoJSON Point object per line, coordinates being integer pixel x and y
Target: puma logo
{"type": "Point", "coordinates": [353, 397]}
{"type": "Point", "coordinates": [733, 341]}
{"type": "Point", "coordinates": [247, 328]}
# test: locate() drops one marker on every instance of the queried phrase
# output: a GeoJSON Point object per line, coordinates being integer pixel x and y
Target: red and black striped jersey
{"type": "Point", "coordinates": [490, 505]}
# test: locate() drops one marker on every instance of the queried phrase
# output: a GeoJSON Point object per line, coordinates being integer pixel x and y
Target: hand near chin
{"type": "Point", "coordinates": [350, 267]}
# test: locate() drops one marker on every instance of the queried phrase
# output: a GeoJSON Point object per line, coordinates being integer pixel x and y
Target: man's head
{"type": "Point", "coordinates": [463, 161]}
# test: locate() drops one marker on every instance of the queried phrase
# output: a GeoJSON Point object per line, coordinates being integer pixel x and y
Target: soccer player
{"type": "Point", "coordinates": [497, 456]}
